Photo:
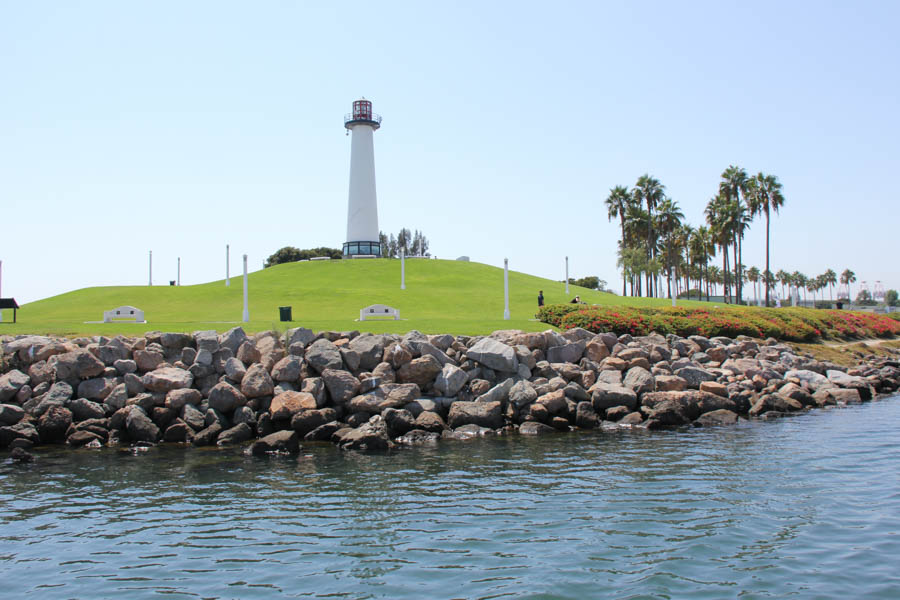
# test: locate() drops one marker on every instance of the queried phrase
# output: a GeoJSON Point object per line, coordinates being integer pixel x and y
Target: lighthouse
{"type": "Point", "coordinates": [362, 205]}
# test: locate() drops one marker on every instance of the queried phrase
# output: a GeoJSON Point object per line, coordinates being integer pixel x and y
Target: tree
{"type": "Point", "coordinates": [753, 275]}
{"type": "Point", "coordinates": [291, 254]}
{"type": "Point", "coordinates": [591, 282]}
{"type": "Point", "coordinates": [669, 219]}
{"type": "Point", "coordinates": [651, 192]}
{"type": "Point", "coordinates": [783, 278]}
{"type": "Point", "coordinates": [734, 187]}
{"type": "Point", "coordinates": [848, 277]}
{"type": "Point", "coordinates": [830, 278]}
{"type": "Point", "coordinates": [891, 298]}
{"type": "Point", "coordinates": [763, 196]}
{"type": "Point", "coordinates": [615, 207]}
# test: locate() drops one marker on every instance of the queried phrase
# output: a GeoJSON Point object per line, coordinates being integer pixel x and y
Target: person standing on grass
{"type": "Point", "coordinates": [540, 298]}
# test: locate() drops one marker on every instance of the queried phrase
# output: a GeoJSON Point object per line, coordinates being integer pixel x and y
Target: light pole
{"type": "Point", "coordinates": [506, 289]}
{"type": "Point", "coordinates": [227, 265]}
{"type": "Point", "coordinates": [402, 269]}
{"type": "Point", "coordinates": [567, 276]}
{"type": "Point", "coordinates": [150, 282]}
{"type": "Point", "coordinates": [246, 306]}
{"type": "Point", "coordinates": [179, 271]}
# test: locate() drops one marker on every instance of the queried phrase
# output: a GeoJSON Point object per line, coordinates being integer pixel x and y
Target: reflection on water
{"type": "Point", "coordinates": [805, 507]}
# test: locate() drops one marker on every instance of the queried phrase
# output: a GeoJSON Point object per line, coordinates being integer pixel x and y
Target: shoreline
{"type": "Point", "coordinates": [271, 392]}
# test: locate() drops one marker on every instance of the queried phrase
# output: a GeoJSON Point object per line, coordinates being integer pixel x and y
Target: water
{"type": "Point", "coordinates": [807, 507]}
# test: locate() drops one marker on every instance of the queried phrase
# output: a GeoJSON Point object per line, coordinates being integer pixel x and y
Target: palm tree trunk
{"type": "Point", "coordinates": [622, 219]}
{"type": "Point", "coordinates": [737, 278]}
{"type": "Point", "coordinates": [767, 250]}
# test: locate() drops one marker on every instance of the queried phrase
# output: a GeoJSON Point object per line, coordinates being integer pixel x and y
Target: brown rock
{"type": "Point", "coordinates": [714, 387]}
{"type": "Point", "coordinates": [287, 404]}
{"type": "Point", "coordinates": [422, 371]}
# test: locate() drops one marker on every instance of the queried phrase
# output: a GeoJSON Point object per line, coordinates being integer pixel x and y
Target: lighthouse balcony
{"type": "Point", "coordinates": [370, 119]}
{"type": "Point", "coordinates": [370, 249]}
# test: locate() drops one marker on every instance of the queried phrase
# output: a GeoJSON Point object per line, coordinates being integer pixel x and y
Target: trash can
{"type": "Point", "coordinates": [285, 312]}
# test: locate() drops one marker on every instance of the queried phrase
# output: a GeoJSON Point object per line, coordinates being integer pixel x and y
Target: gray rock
{"type": "Point", "coordinates": [535, 428]}
{"type": "Point", "coordinates": [604, 396]}
{"type": "Point", "coordinates": [97, 388]}
{"type": "Point", "coordinates": [287, 369]}
{"type": "Point", "coordinates": [322, 355]}
{"type": "Point", "coordinates": [208, 436]}
{"type": "Point", "coordinates": [306, 420]}
{"type": "Point", "coordinates": [640, 380]}
{"type": "Point", "coordinates": [83, 409]}
{"type": "Point", "coordinates": [569, 353]}
{"type": "Point", "coordinates": [124, 366]}
{"type": "Point", "coordinates": [11, 383]}
{"type": "Point", "coordinates": [450, 380]}
{"type": "Point", "coordinates": [235, 370]}
{"type": "Point", "coordinates": [178, 431]}
{"type": "Point", "coordinates": [207, 340]}
{"type": "Point", "coordinates": [717, 418]}
{"type": "Point", "coordinates": [193, 417]}
{"type": "Point", "coordinates": [341, 385]}
{"type": "Point", "coordinates": [232, 339]}
{"type": "Point", "coordinates": [522, 394]}
{"type": "Point", "coordinates": [369, 349]}
{"type": "Point", "coordinates": [257, 382]}
{"type": "Point", "coordinates": [494, 355]}
{"type": "Point", "coordinates": [54, 423]}
{"type": "Point", "coordinates": [148, 360]}
{"type": "Point", "coordinates": [483, 414]}
{"type": "Point", "coordinates": [236, 435]}
{"type": "Point", "coordinates": [842, 379]}
{"type": "Point", "coordinates": [498, 393]}
{"type": "Point", "coordinates": [398, 421]}
{"type": "Point", "coordinates": [370, 437]}
{"type": "Point", "coordinates": [140, 427]}
{"type": "Point", "coordinates": [167, 378]}
{"type": "Point", "coordinates": [422, 371]}
{"type": "Point", "coordinates": [586, 417]}
{"type": "Point", "coordinates": [694, 376]}
{"type": "Point", "coordinates": [10, 414]}
{"type": "Point", "coordinates": [177, 399]}
{"type": "Point", "coordinates": [225, 398]}
{"type": "Point", "coordinates": [301, 336]}
{"type": "Point", "coordinates": [282, 442]}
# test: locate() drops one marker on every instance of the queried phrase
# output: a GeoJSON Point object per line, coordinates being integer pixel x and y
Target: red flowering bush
{"type": "Point", "coordinates": [793, 324]}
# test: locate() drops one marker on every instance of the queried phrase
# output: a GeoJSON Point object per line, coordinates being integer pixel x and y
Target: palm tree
{"type": "Point", "coordinates": [734, 187]}
{"type": "Point", "coordinates": [763, 196]}
{"type": "Point", "coordinates": [801, 281]}
{"type": "Point", "coordinates": [718, 216]}
{"type": "Point", "coordinates": [615, 207]}
{"type": "Point", "coordinates": [668, 219]}
{"type": "Point", "coordinates": [753, 275]}
{"type": "Point", "coordinates": [848, 277]}
{"type": "Point", "coordinates": [830, 278]}
{"type": "Point", "coordinates": [651, 192]}
{"type": "Point", "coordinates": [782, 277]}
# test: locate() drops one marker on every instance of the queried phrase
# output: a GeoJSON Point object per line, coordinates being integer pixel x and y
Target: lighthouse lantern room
{"type": "Point", "coordinates": [362, 204]}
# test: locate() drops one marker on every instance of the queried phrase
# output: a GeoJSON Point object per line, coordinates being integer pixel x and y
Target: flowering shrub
{"type": "Point", "coordinates": [794, 324]}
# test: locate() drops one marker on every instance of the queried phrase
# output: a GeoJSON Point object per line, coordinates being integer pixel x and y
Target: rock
{"type": "Point", "coordinates": [193, 417]}
{"type": "Point", "coordinates": [419, 437]}
{"type": "Point", "coordinates": [54, 423]}
{"type": "Point", "coordinates": [287, 369]}
{"type": "Point", "coordinates": [535, 428]}
{"type": "Point", "coordinates": [322, 355]}
{"type": "Point", "coordinates": [694, 376]}
{"type": "Point", "coordinates": [232, 339]}
{"type": "Point", "coordinates": [306, 420]}
{"type": "Point", "coordinates": [398, 421]}
{"type": "Point", "coordinates": [176, 399]}
{"type": "Point", "coordinates": [21, 455]}
{"type": "Point", "coordinates": [367, 438]}
{"type": "Point", "coordinates": [775, 403]}
{"type": "Point", "coordinates": [282, 442]}
{"type": "Point", "coordinates": [640, 380]}
{"type": "Point", "coordinates": [498, 393]}
{"type": "Point", "coordinates": [148, 360]}
{"type": "Point", "coordinates": [22, 434]}
{"type": "Point", "coordinates": [257, 382]}
{"type": "Point", "coordinates": [83, 409]}
{"type": "Point", "coordinates": [341, 385]}
{"type": "Point", "coordinates": [166, 379]}
{"type": "Point", "coordinates": [324, 432]}
{"type": "Point", "coordinates": [596, 351]}
{"type": "Point", "coordinates": [287, 404]}
{"type": "Point", "coordinates": [450, 380]}
{"type": "Point", "coordinates": [522, 394]}
{"type": "Point", "coordinates": [96, 389]}
{"type": "Point", "coordinates": [178, 431]}
{"type": "Point", "coordinates": [568, 353]}
{"type": "Point", "coordinates": [604, 396]}
{"type": "Point", "coordinates": [369, 349]}
{"type": "Point", "coordinates": [79, 364]}
{"type": "Point", "coordinates": [208, 436]}
{"type": "Point", "coordinates": [717, 418]}
{"type": "Point", "coordinates": [670, 383]}
{"type": "Point", "coordinates": [845, 396]}
{"type": "Point", "coordinates": [811, 378]}
{"type": "Point", "coordinates": [554, 402]}
{"type": "Point", "coordinates": [494, 355]}
{"type": "Point", "coordinates": [225, 398]}
{"type": "Point", "coordinates": [430, 421]}
{"type": "Point", "coordinates": [843, 379]}
{"type": "Point", "coordinates": [140, 427]}
{"type": "Point", "coordinates": [248, 353]}
{"type": "Point", "coordinates": [235, 370]}
{"type": "Point", "coordinates": [422, 371]}
{"type": "Point", "coordinates": [299, 337]}
{"type": "Point", "coordinates": [81, 438]}
{"type": "Point", "coordinates": [586, 417]}
{"type": "Point", "coordinates": [236, 435]}
{"type": "Point", "coordinates": [466, 432]}
{"type": "Point", "coordinates": [667, 413]}
{"type": "Point", "coordinates": [10, 414]}
{"type": "Point", "coordinates": [484, 414]}
{"type": "Point", "coordinates": [714, 387]}
{"type": "Point", "coordinates": [11, 383]}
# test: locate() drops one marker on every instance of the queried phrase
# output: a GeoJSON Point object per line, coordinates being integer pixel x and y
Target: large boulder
{"type": "Point", "coordinates": [257, 382]}
{"type": "Point", "coordinates": [568, 353]}
{"type": "Point", "coordinates": [225, 398]}
{"type": "Point", "coordinates": [232, 339]}
{"type": "Point", "coordinates": [287, 404]}
{"type": "Point", "coordinates": [811, 378]}
{"type": "Point", "coordinates": [306, 420]}
{"type": "Point", "coordinates": [280, 442]}
{"type": "Point", "coordinates": [236, 435]}
{"type": "Point", "coordinates": [97, 388]}
{"type": "Point", "coordinates": [484, 414]}
{"type": "Point", "coordinates": [287, 369]}
{"type": "Point", "coordinates": [450, 380]}
{"type": "Point", "coordinates": [166, 379]}
{"type": "Point", "coordinates": [10, 414]}
{"type": "Point", "coordinates": [494, 355]}
{"type": "Point", "coordinates": [54, 423]}
{"type": "Point", "coordinates": [604, 396]}
{"type": "Point", "coordinates": [639, 379]}
{"type": "Point", "coordinates": [369, 349]}
{"type": "Point", "coordinates": [148, 360]}
{"type": "Point", "coordinates": [76, 365]}
{"type": "Point", "coordinates": [341, 385]}
{"type": "Point", "coordinates": [694, 376]}
{"type": "Point", "coordinates": [369, 437]}
{"type": "Point", "coordinates": [422, 371]}
{"type": "Point", "coordinates": [140, 427]}
{"type": "Point", "coordinates": [322, 354]}
{"type": "Point", "coordinates": [535, 428]}
{"type": "Point", "coordinates": [11, 383]}
{"type": "Point", "coordinates": [83, 409]}
{"type": "Point", "coordinates": [717, 418]}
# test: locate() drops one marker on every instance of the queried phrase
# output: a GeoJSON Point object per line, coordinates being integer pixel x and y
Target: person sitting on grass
{"type": "Point", "coordinates": [576, 300]}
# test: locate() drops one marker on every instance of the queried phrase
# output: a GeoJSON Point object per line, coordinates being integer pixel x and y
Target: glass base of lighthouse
{"type": "Point", "coordinates": [352, 249]}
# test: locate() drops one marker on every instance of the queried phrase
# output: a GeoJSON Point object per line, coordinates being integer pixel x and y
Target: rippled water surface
{"type": "Point", "coordinates": [806, 507]}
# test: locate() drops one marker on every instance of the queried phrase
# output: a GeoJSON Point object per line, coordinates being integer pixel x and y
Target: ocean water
{"type": "Point", "coordinates": [805, 507]}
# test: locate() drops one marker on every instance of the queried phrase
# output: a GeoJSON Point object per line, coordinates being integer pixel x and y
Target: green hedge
{"type": "Point", "coordinates": [793, 324]}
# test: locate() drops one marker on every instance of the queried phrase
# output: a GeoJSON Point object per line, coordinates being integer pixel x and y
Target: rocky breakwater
{"type": "Point", "coordinates": [270, 392]}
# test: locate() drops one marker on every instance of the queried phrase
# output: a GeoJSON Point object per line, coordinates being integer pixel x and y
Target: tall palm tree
{"type": "Point", "coordinates": [734, 187]}
{"type": "Point", "coordinates": [848, 277]}
{"type": "Point", "coordinates": [718, 216]}
{"type": "Point", "coordinates": [784, 278]}
{"type": "Point", "coordinates": [651, 192]}
{"type": "Point", "coordinates": [668, 220]}
{"type": "Point", "coordinates": [830, 278]}
{"type": "Point", "coordinates": [688, 232]}
{"type": "Point", "coordinates": [615, 207]}
{"type": "Point", "coordinates": [753, 275]}
{"type": "Point", "coordinates": [763, 196]}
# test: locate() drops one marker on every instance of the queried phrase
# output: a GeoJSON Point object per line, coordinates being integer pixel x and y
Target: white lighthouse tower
{"type": "Point", "coordinates": [362, 206]}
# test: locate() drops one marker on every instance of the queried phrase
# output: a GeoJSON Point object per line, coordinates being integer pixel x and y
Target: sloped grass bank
{"type": "Point", "coordinates": [789, 324]}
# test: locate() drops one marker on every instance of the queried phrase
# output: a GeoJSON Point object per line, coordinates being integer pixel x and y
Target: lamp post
{"type": "Point", "coordinates": [402, 269]}
{"type": "Point", "coordinates": [506, 289]}
{"type": "Point", "coordinates": [150, 280]}
{"type": "Point", "coordinates": [567, 276]}
{"type": "Point", "coordinates": [246, 306]}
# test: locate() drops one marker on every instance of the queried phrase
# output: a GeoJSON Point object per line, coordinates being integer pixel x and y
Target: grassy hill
{"type": "Point", "coordinates": [441, 296]}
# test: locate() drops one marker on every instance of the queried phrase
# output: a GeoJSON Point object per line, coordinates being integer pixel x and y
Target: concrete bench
{"type": "Point", "coordinates": [377, 311]}
{"type": "Point", "coordinates": [124, 313]}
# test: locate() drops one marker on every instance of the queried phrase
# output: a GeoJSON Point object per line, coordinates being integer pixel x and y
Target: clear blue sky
{"type": "Point", "coordinates": [178, 127]}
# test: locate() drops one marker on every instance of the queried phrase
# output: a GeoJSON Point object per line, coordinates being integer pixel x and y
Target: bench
{"type": "Point", "coordinates": [124, 313]}
{"type": "Point", "coordinates": [378, 311]}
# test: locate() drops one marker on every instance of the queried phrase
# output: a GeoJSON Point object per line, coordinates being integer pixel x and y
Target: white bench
{"type": "Point", "coordinates": [378, 311]}
{"type": "Point", "coordinates": [124, 313]}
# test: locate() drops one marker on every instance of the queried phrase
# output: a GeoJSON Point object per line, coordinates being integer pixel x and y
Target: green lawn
{"type": "Point", "coordinates": [441, 296]}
